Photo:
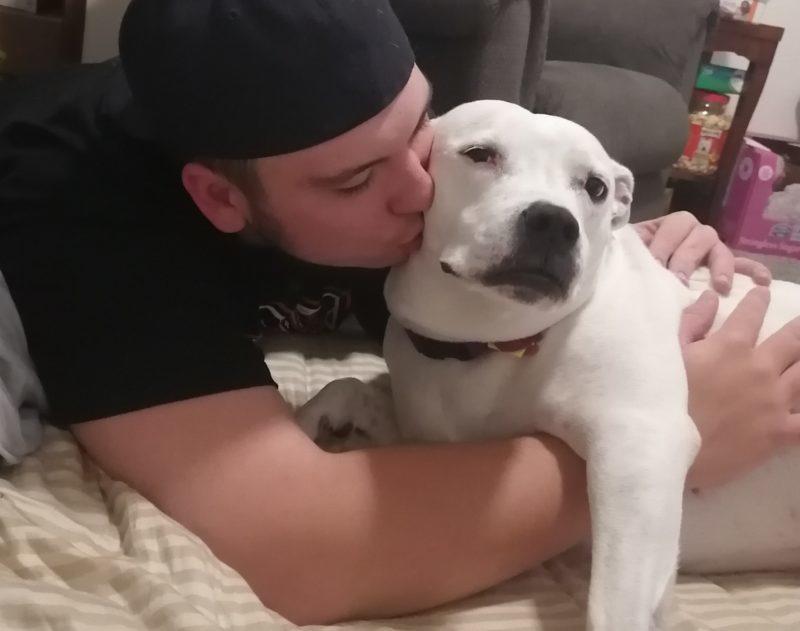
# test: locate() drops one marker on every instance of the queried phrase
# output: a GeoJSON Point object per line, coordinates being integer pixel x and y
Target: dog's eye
{"type": "Point", "coordinates": [481, 155]}
{"type": "Point", "coordinates": [596, 188]}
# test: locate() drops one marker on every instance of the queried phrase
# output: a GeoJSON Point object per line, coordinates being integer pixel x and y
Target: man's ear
{"type": "Point", "coordinates": [623, 196]}
{"type": "Point", "coordinates": [218, 199]}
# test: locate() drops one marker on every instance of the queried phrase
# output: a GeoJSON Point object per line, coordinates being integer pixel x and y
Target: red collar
{"type": "Point", "coordinates": [465, 351]}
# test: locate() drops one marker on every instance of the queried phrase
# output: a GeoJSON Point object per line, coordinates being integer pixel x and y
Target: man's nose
{"type": "Point", "coordinates": [413, 188]}
{"type": "Point", "coordinates": [547, 226]}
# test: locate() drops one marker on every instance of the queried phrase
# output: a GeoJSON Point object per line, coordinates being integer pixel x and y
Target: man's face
{"type": "Point", "coordinates": [357, 200]}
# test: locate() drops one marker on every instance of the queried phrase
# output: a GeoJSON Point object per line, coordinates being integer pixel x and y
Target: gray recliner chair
{"type": "Point", "coordinates": [624, 69]}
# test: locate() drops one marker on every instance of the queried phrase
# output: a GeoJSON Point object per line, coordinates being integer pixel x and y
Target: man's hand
{"type": "Point", "coordinates": [741, 395]}
{"type": "Point", "coordinates": [683, 244]}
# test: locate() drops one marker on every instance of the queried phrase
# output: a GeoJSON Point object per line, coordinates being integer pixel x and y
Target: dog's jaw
{"type": "Point", "coordinates": [424, 298]}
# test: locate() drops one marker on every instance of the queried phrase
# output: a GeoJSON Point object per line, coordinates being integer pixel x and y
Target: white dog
{"type": "Point", "coordinates": [532, 306]}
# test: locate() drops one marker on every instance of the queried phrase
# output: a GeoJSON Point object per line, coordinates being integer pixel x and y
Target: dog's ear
{"type": "Point", "coordinates": [623, 196]}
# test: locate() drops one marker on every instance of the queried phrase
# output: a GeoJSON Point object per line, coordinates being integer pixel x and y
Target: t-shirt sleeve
{"type": "Point", "coordinates": [128, 296]}
{"type": "Point", "coordinates": [124, 318]}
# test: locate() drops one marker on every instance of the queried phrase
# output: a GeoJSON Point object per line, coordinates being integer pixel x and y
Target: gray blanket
{"type": "Point", "coordinates": [22, 400]}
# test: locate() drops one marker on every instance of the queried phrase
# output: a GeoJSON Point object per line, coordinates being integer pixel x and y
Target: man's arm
{"type": "Point", "coordinates": [325, 537]}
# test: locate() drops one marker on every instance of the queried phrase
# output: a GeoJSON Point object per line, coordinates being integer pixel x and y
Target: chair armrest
{"type": "Point", "coordinates": [640, 119]}
{"type": "Point", "coordinates": [476, 49]}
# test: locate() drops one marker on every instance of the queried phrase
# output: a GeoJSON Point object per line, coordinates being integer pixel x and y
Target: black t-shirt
{"type": "Point", "coordinates": [128, 296]}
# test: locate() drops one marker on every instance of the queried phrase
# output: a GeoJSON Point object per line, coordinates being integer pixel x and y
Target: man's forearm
{"type": "Point", "coordinates": [390, 531]}
{"type": "Point", "coordinates": [322, 537]}
{"type": "Point", "coordinates": [447, 521]}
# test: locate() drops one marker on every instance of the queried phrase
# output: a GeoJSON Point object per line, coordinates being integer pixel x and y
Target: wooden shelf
{"type": "Point", "coordinates": [756, 42]}
{"type": "Point", "coordinates": [37, 41]}
{"type": "Point", "coordinates": [742, 32]}
{"type": "Point", "coordinates": [52, 11]}
{"type": "Point", "coordinates": [683, 175]}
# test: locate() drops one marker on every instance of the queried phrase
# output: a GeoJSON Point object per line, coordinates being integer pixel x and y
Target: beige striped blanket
{"type": "Point", "coordinates": [79, 552]}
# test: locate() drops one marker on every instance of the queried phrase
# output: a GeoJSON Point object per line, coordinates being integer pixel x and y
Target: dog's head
{"type": "Point", "coordinates": [525, 205]}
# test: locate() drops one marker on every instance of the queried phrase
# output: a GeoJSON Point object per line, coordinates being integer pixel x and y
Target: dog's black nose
{"type": "Point", "coordinates": [549, 225]}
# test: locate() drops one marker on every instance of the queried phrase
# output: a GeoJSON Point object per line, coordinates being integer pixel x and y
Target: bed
{"type": "Point", "coordinates": [80, 552]}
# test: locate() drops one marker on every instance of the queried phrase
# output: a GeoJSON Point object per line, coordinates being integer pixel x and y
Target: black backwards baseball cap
{"type": "Point", "coordinates": [239, 79]}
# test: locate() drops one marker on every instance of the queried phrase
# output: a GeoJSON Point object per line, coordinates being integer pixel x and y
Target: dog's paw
{"type": "Point", "coordinates": [349, 414]}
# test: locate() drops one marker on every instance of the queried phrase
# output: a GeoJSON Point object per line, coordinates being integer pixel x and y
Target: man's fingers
{"type": "Point", "coordinates": [671, 234]}
{"type": "Point", "coordinates": [744, 323]}
{"type": "Point", "coordinates": [723, 265]}
{"type": "Point", "coordinates": [646, 230]}
{"type": "Point", "coordinates": [757, 271]}
{"type": "Point", "coordinates": [698, 318]}
{"type": "Point", "coordinates": [782, 348]}
{"type": "Point", "coordinates": [692, 251]}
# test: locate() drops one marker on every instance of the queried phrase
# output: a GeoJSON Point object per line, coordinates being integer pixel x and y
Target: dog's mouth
{"type": "Point", "coordinates": [528, 283]}
{"type": "Point", "coordinates": [522, 276]}
{"type": "Point", "coordinates": [524, 282]}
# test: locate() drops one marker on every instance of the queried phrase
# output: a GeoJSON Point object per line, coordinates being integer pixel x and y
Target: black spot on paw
{"type": "Point", "coordinates": [343, 432]}
{"type": "Point", "coordinates": [327, 434]}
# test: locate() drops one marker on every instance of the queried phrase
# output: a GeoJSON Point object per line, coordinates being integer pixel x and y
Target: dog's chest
{"type": "Point", "coordinates": [495, 396]}
{"type": "Point", "coordinates": [618, 351]}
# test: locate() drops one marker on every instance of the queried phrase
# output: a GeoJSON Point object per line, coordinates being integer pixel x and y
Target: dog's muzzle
{"type": "Point", "coordinates": [543, 260]}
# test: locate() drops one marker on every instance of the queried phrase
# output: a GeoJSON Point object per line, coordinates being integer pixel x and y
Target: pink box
{"type": "Point", "coordinates": [754, 218]}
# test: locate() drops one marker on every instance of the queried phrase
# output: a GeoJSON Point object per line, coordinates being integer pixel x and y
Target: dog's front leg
{"type": "Point", "coordinates": [636, 474]}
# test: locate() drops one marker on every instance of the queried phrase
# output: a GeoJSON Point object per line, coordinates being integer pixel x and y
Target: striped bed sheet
{"type": "Point", "coordinates": [80, 552]}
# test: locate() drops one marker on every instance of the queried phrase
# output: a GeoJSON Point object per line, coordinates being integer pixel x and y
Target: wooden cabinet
{"type": "Point", "coordinates": [37, 41]}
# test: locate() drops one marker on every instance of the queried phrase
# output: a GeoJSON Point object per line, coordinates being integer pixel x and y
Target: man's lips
{"type": "Point", "coordinates": [414, 241]}
{"type": "Point", "coordinates": [414, 244]}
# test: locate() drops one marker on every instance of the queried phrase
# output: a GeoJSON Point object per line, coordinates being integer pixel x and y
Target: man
{"type": "Point", "coordinates": [300, 125]}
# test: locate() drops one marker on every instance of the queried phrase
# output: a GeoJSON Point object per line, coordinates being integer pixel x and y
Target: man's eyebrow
{"type": "Point", "coordinates": [349, 174]}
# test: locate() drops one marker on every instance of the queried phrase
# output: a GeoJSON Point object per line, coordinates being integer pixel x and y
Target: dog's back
{"type": "Point", "coordinates": [754, 522]}
{"type": "Point", "coordinates": [751, 524]}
